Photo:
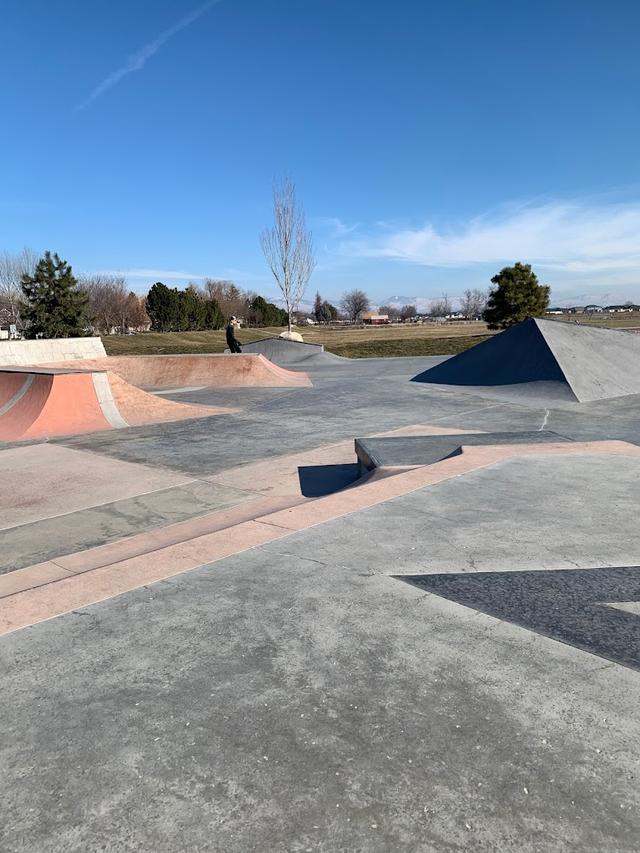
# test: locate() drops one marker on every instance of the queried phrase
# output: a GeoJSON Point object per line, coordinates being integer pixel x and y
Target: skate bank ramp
{"type": "Point", "coordinates": [288, 353]}
{"type": "Point", "coordinates": [48, 402]}
{"type": "Point", "coordinates": [215, 370]}
{"type": "Point", "coordinates": [588, 363]}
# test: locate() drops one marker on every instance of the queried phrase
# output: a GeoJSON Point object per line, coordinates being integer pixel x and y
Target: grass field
{"type": "Point", "coordinates": [606, 321]}
{"type": "Point", "coordinates": [347, 341]}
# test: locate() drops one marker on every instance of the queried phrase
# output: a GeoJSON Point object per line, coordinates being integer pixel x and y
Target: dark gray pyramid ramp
{"type": "Point", "coordinates": [287, 353]}
{"type": "Point", "coordinates": [519, 354]}
{"type": "Point", "coordinates": [591, 364]}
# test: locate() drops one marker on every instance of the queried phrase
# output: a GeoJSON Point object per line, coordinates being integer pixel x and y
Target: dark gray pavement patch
{"type": "Point", "coordinates": [571, 606]}
{"type": "Point", "coordinates": [49, 538]}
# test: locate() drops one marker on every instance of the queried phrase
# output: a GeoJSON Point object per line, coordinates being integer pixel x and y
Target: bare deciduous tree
{"type": "Point", "coordinates": [108, 296]}
{"type": "Point", "coordinates": [473, 304]}
{"type": "Point", "coordinates": [137, 317]}
{"type": "Point", "coordinates": [407, 311]}
{"type": "Point", "coordinates": [353, 303]}
{"type": "Point", "coordinates": [227, 294]}
{"type": "Point", "coordinates": [12, 268]}
{"type": "Point", "coordinates": [288, 247]}
{"type": "Point", "coordinates": [440, 307]}
{"type": "Point", "coordinates": [391, 311]}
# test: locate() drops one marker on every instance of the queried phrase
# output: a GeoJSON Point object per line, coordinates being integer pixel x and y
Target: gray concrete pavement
{"type": "Point", "coordinates": [276, 702]}
{"type": "Point", "coordinates": [298, 696]}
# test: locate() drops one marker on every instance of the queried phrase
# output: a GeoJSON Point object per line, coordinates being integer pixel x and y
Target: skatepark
{"type": "Point", "coordinates": [289, 601]}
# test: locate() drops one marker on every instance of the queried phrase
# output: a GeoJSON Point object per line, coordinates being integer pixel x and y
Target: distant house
{"type": "Point", "coordinates": [622, 309]}
{"type": "Point", "coordinates": [555, 311]}
{"type": "Point", "coordinates": [593, 309]}
{"type": "Point", "coordinates": [371, 318]}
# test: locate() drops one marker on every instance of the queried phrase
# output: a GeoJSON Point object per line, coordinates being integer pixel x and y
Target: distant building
{"type": "Point", "coordinates": [372, 318]}
{"type": "Point", "coordinates": [622, 309]}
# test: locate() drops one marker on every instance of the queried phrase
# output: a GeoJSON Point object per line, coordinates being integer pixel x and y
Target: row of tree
{"type": "Point", "coordinates": [196, 309]}
{"type": "Point", "coordinates": [49, 301]}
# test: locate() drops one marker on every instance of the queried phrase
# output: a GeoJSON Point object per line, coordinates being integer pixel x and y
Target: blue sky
{"type": "Point", "coordinates": [431, 142]}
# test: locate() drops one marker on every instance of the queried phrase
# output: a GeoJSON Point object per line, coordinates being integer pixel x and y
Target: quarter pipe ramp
{"type": "Point", "coordinates": [47, 402]}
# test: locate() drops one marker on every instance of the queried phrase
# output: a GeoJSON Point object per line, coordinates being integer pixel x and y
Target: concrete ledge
{"type": "Point", "coordinates": [48, 350]}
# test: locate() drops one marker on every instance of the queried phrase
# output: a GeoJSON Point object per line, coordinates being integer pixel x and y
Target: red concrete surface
{"type": "Point", "coordinates": [175, 371]}
{"type": "Point", "coordinates": [57, 403]}
{"type": "Point", "coordinates": [54, 404]}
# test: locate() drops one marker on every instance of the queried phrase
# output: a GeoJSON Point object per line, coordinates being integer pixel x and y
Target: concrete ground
{"type": "Point", "coordinates": [444, 662]}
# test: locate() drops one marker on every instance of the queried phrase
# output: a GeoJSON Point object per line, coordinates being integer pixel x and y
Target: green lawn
{"type": "Point", "coordinates": [368, 346]}
{"type": "Point", "coordinates": [415, 346]}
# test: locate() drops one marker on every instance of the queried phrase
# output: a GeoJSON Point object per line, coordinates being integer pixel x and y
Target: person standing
{"type": "Point", "coordinates": [232, 342]}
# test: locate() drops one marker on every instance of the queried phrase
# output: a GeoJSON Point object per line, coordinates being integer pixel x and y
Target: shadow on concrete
{"type": "Point", "coordinates": [319, 480]}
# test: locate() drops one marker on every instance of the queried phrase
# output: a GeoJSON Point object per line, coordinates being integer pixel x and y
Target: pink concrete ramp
{"type": "Point", "coordinates": [47, 402]}
{"type": "Point", "coordinates": [212, 370]}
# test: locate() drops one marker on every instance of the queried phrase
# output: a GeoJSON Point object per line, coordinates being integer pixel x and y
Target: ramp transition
{"type": "Point", "coordinates": [590, 363]}
{"type": "Point", "coordinates": [211, 370]}
{"type": "Point", "coordinates": [48, 402]}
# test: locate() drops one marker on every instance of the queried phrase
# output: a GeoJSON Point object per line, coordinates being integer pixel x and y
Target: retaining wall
{"type": "Point", "coordinates": [18, 353]}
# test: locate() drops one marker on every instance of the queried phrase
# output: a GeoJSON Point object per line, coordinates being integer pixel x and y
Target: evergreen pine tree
{"type": "Point", "coordinates": [318, 313]}
{"type": "Point", "coordinates": [56, 307]}
{"type": "Point", "coordinates": [162, 307]}
{"type": "Point", "coordinates": [515, 297]}
{"type": "Point", "coordinates": [213, 315]}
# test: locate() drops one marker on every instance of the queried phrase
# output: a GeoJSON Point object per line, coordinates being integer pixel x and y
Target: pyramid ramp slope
{"type": "Point", "coordinates": [589, 363]}
{"type": "Point", "coordinates": [597, 364]}
{"type": "Point", "coordinates": [519, 354]}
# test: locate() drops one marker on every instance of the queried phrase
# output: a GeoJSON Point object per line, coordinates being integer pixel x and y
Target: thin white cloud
{"type": "Point", "coordinates": [159, 275]}
{"type": "Point", "coordinates": [138, 59]}
{"type": "Point", "coordinates": [333, 224]}
{"type": "Point", "coordinates": [568, 237]}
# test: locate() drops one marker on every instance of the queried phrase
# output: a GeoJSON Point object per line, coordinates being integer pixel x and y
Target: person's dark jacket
{"type": "Point", "coordinates": [232, 342]}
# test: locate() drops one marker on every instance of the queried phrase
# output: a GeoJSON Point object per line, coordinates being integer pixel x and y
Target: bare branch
{"type": "Point", "coordinates": [288, 247]}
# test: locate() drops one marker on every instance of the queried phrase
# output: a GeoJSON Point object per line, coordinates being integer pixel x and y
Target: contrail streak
{"type": "Point", "coordinates": [138, 60]}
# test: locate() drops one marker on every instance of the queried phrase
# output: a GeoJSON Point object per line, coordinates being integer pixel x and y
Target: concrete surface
{"type": "Point", "coordinates": [281, 703]}
{"type": "Point", "coordinates": [46, 350]}
{"type": "Point", "coordinates": [299, 696]}
{"type": "Point", "coordinates": [46, 480]}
